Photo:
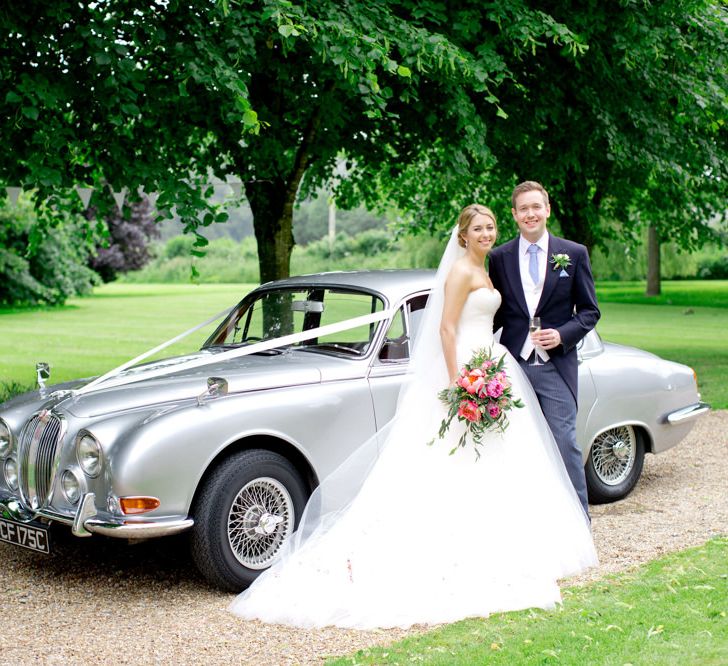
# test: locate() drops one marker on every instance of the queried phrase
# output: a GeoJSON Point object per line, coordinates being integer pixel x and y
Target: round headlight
{"type": "Point", "coordinates": [10, 470]}
{"type": "Point", "coordinates": [71, 487]}
{"type": "Point", "coordinates": [4, 439]}
{"type": "Point", "coordinates": [88, 453]}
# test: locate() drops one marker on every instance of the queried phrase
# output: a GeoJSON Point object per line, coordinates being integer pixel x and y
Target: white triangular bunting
{"type": "Point", "coordinates": [152, 196]}
{"type": "Point", "coordinates": [237, 187]}
{"type": "Point", "coordinates": [84, 193]}
{"type": "Point", "coordinates": [13, 194]}
{"type": "Point", "coordinates": [119, 197]}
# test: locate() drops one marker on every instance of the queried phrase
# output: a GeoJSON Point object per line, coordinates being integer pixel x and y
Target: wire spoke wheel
{"type": "Point", "coordinates": [259, 521]}
{"type": "Point", "coordinates": [614, 454]}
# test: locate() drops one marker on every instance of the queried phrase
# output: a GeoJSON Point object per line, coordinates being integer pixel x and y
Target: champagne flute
{"type": "Point", "coordinates": [534, 324]}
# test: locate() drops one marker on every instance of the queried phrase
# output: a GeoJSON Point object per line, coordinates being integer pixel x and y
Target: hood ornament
{"type": "Point", "coordinates": [43, 372]}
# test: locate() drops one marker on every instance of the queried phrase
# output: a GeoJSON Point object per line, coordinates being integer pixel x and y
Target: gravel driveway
{"type": "Point", "coordinates": [103, 602]}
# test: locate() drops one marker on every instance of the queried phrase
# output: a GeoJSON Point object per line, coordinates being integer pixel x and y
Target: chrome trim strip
{"type": "Point", "coordinates": [119, 528]}
{"type": "Point", "coordinates": [138, 530]}
{"type": "Point", "coordinates": [39, 449]}
{"type": "Point", "coordinates": [687, 413]}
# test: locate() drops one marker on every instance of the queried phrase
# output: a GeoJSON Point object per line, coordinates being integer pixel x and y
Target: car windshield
{"type": "Point", "coordinates": [278, 312]}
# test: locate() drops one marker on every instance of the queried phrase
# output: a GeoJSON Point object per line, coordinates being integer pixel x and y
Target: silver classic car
{"type": "Point", "coordinates": [228, 443]}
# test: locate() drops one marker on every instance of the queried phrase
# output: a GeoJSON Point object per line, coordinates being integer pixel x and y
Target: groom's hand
{"type": "Point", "coordinates": [547, 338]}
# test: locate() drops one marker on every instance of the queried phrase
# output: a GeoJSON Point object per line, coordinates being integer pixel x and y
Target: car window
{"type": "Point", "coordinates": [403, 330]}
{"type": "Point", "coordinates": [416, 308]}
{"type": "Point", "coordinates": [282, 312]}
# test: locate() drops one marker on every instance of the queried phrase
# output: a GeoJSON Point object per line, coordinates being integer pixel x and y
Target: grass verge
{"type": "Point", "coordinates": [669, 611]}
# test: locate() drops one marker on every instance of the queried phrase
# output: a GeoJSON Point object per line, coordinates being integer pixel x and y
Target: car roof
{"type": "Point", "coordinates": [393, 284]}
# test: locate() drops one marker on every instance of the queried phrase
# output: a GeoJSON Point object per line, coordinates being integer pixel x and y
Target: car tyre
{"type": "Point", "coordinates": [244, 512]}
{"type": "Point", "coordinates": [614, 464]}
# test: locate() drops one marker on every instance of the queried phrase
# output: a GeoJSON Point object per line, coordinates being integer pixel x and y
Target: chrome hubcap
{"type": "Point", "coordinates": [261, 518]}
{"type": "Point", "coordinates": [613, 454]}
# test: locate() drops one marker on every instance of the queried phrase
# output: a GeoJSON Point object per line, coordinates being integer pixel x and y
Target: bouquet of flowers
{"type": "Point", "coordinates": [481, 397]}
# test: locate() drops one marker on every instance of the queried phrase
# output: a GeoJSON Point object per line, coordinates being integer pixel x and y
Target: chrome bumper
{"type": "Point", "coordinates": [86, 522]}
{"type": "Point", "coordinates": [687, 413]}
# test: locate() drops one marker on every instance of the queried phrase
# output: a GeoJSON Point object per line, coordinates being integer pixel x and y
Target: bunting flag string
{"type": "Point", "coordinates": [84, 193]}
{"type": "Point", "coordinates": [13, 194]}
{"type": "Point", "coordinates": [120, 196]}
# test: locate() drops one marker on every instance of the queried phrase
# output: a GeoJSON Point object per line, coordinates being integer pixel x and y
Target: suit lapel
{"type": "Point", "coordinates": [513, 268]}
{"type": "Point", "coordinates": [552, 276]}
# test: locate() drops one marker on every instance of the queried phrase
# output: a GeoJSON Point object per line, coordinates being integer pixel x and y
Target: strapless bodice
{"type": "Point", "coordinates": [475, 328]}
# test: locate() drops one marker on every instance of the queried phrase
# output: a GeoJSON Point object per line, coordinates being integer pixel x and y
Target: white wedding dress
{"type": "Point", "coordinates": [432, 537]}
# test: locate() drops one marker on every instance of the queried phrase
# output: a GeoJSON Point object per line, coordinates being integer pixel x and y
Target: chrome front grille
{"type": "Point", "coordinates": [37, 458]}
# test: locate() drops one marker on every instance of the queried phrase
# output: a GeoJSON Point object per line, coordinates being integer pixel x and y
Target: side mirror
{"type": "Point", "coordinates": [43, 372]}
{"type": "Point", "coordinates": [216, 388]}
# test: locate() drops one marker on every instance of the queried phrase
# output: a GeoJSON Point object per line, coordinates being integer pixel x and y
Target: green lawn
{"type": "Point", "coordinates": [691, 330]}
{"type": "Point", "coordinates": [671, 611]}
{"type": "Point", "coordinates": [92, 335]}
{"type": "Point", "coordinates": [688, 293]}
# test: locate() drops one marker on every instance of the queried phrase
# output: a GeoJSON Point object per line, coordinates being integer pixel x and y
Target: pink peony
{"type": "Point", "coordinates": [494, 389]}
{"type": "Point", "coordinates": [471, 381]}
{"type": "Point", "coordinates": [493, 410]}
{"type": "Point", "coordinates": [469, 410]}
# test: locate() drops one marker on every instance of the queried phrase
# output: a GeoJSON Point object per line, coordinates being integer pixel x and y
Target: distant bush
{"type": "Point", "coordinates": [225, 261]}
{"type": "Point", "coordinates": [714, 269]}
{"type": "Point", "coordinates": [127, 246]}
{"type": "Point", "coordinates": [179, 246]}
{"type": "Point", "coordinates": [366, 243]}
{"type": "Point", "coordinates": [49, 272]}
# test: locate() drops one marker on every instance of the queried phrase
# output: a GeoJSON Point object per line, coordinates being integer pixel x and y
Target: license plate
{"type": "Point", "coordinates": [27, 535]}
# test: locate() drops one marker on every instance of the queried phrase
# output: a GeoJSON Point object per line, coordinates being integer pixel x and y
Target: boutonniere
{"type": "Point", "coordinates": [561, 261]}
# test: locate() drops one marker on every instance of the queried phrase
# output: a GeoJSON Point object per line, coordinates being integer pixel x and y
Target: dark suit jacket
{"type": "Point", "coordinates": [568, 303]}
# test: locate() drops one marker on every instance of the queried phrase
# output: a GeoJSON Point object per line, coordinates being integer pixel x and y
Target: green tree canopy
{"type": "Point", "coordinates": [619, 108]}
{"type": "Point", "coordinates": [161, 94]}
{"type": "Point", "coordinates": [634, 130]}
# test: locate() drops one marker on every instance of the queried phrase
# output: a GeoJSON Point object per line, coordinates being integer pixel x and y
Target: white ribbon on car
{"type": "Point", "coordinates": [112, 379]}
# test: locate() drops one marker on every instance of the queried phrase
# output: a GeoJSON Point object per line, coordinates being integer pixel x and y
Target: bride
{"type": "Point", "coordinates": [424, 536]}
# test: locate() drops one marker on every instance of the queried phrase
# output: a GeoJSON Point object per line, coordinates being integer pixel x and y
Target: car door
{"type": "Point", "coordinates": [389, 366]}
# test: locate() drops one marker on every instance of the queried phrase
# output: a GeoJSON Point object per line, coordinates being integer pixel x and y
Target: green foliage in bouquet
{"type": "Point", "coordinates": [481, 398]}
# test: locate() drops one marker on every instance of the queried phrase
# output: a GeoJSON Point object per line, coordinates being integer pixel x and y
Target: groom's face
{"type": "Point", "coordinates": [530, 214]}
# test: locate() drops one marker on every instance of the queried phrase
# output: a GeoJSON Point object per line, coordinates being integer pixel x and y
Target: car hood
{"type": "Point", "coordinates": [243, 374]}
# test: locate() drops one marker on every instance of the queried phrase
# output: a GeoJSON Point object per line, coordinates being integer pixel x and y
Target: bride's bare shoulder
{"type": "Point", "coordinates": [460, 272]}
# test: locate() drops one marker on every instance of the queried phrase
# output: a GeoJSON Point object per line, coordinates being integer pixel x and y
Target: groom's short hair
{"type": "Point", "coordinates": [528, 186]}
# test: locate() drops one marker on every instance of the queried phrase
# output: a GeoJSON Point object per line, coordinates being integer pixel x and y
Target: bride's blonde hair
{"type": "Point", "coordinates": [466, 217]}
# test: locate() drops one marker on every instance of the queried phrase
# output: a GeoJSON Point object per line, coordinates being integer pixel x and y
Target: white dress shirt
{"type": "Point", "coordinates": [532, 291]}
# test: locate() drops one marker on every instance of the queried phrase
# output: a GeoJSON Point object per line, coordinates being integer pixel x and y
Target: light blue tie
{"type": "Point", "coordinates": [533, 262]}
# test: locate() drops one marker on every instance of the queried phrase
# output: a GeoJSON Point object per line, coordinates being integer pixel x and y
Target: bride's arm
{"type": "Point", "coordinates": [457, 287]}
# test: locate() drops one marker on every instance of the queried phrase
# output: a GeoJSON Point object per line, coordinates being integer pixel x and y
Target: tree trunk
{"type": "Point", "coordinates": [273, 227]}
{"type": "Point", "coordinates": [653, 262]}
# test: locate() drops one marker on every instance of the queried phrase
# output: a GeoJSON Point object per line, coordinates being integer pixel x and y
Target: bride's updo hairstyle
{"type": "Point", "coordinates": [466, 217]}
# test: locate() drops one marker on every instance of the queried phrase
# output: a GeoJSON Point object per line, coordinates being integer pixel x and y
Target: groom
{"type": "Point", "coordinates": [541, 275]}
